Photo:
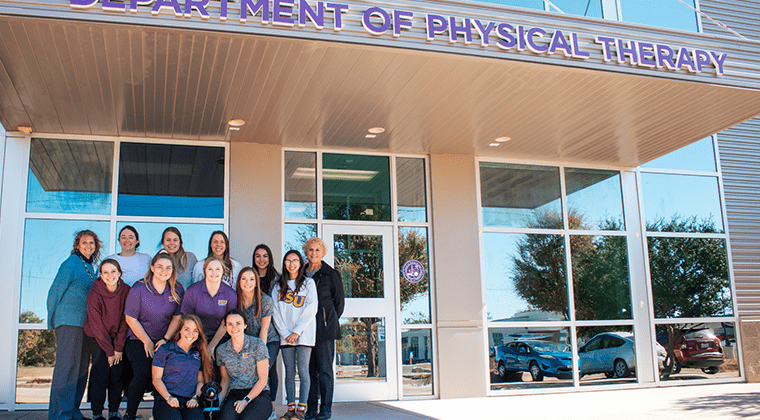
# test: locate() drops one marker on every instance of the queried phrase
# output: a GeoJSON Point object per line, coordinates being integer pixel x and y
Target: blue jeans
{"type": "Point", "coordinates": [322, 380]}
{"type": "Point", "coordinates": [69, 374]}
{"type": "Point", "coordinates": [292, 356]}
{"type": "Point", "coordinates": [273, 348]}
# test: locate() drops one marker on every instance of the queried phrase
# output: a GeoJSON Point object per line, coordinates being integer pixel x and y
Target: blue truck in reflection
{"type": "Point", "coordinates": [540, 358]}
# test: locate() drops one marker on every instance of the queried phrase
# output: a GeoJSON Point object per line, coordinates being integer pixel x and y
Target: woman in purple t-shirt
{"type": "Point", "coordinates": [152, 313]}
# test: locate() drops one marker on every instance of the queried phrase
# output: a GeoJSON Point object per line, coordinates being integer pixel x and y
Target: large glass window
{"type": "Point", "coordinates": [414, 288]}
{"type": "Point", "coordinates": [594, 199]}
{"type": "Point", "coordinates": [520, 196]}
{"type": "Point", "coordinates": [69, 176]}
{"type": "Point", "coordinates": [300, 185]}
{"type": "Point", "coordinates": [699, 156]}
{"type": "Point", "coordinates": [588, 8]}
{"type": "Point", "coordinates": [601, 286]}
{"type": "Point", "coordinates": [667, 14]}
{"type": "Point", "coordinates": [682, 203]}
{"type": "Point", "coordinates": [356, 187]}
{"type": "Point", "coordinates": [171, 180]}
{"type": "Point", "coordinates": [410, 183]}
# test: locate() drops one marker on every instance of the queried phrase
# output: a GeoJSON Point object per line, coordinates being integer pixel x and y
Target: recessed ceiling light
{"type": "Point", "coordinates": [236, 123]}
{"type": "Point", "coordinates": [376, 130]}
{"type": "Point", "coordinates": [25, 129]}
{"type": "Point", "coordinates": [370, 136]}
{"type": "Point", "coordinates": [495, 144]}
{"type": "Point", "coordinates": [234, 128]}
{"type": "Point", "coordinates": [503, 139]}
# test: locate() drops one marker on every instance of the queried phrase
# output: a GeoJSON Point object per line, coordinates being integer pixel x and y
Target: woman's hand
{"type": "Point", "coordinates": [150, 348]}
{"type": "Point", "coordinates": [192, 402]}
{"type": "Point", "coordinates": [292, 338]}
{"type": "Point", "coordinates": [173, 402]}
{"type": "Point", "coordinates": [117, 355]}
{"type": "Point", "coordinates": [159, 343]}
{"type": "Point", "coordinates": [212, 352]}
{"type": "Point", "coordinates": [240, 405]}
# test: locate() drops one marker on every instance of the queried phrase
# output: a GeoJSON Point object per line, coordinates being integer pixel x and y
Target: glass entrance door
{"type": "Point", "coordinates": [366, 365]}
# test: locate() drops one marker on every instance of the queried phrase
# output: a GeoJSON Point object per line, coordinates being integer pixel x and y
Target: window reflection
{"type": "Point", "coordinates": [359, 260]}
{"type": "Point", "coordinates": [520, 196]}
{"type": "Point", "coordinates": [415, 296]}
{"type": "Point", "coordinates": [530, 357]}
{"type": "Point", "coordinates": [295, 235]}
{"type": "Point", "coordinates": [416, 360]}
{"type": "Point", "coordinates": [530, 4]}
{"type": "Point", "coordinates": [171, 180]}
{"type": "Point", "coordinates": [525, 277]}
{"type": "Point", "coordinates": [356, 187]}
{"type": "Point", "coordinates": [606, 354]}
{"type": "Point", "coordinates": [601, 284]}
{"type": "Point", "coordinates": [361, 353]}
{"type": "Point", "coordinates": [300, 185]}
{"type": "Point", "coordinates": [682, 203]}
{"type": "Point", "coordinates": [36, 358]}
{"type": "Point", "coordinates": [699, 156]}
{"type": "Point", "coordinates": [689, 277]}
{"type": "Point", "coordinates": [70, 176]}
{"type": "Point", "coordinates": [594, 199]}
{"type": "Point", "coordinates": [665, 14]}
{"type": "Point", "coordinates": [588, 8]}
{"type": "Point", "coordinates": [410, 181]}
{"type": "Point", "coordinates": [47, 243]}
{"type": "Point", "coordinates": [699, 351]}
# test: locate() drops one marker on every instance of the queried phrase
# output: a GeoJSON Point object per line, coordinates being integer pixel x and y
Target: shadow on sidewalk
{"type": "Point", "coordinates": [373, 411]}
{"type": "Point", "coordinates": [739, 405]}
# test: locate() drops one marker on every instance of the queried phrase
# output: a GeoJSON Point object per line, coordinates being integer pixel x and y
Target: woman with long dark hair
{"type": "Point", "coordinates": [295, 298]}
{"type": "Point", "coordinates": [67, 309]}
{"type": "Point", "coordinates": [105, 334]}
{"type": "Point", "coordinates": [152, 313]}
{"type": "Point", "coordinates": [133, 264]}
{"type": "Point", "coordinates": [180, 368]}
{"type": "Point", "coordinates": [171, 241]}
{"type": "Point", "coordinates": [219, 246]}
{"type": "Point", "coordinates": [243, 365]}
{"type": "Point", "coordinates": [263, 263]}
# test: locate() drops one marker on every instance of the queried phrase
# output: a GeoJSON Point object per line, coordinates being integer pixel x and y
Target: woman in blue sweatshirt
{"type": "Point", "coordinates": [67, 308]}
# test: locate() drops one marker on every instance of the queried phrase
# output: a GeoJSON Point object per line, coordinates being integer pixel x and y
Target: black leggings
{"type": "Point", "coordinates": [258, 409]}
{"type": "Point", "coordinates": [163, 411]}
{"type": "Point", "coordinates": [141, 366]}
{"type": "Point", "coordinates": [102, 378]}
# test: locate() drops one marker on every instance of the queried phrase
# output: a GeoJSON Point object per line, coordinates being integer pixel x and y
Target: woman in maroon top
{"type": "Point", "coordinates": [105, 332]}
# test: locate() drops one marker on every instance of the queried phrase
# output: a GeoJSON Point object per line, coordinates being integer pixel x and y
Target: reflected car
{"type": "Point", "coordinates": [539, 358]}
{"type": "Point", "coordinates": [697, 349]}
{"type": "Point", "coordinates": [613, 353]}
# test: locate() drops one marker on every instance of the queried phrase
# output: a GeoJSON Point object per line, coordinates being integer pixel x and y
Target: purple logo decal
{"type": "Point", "coordinates": [413, 271]}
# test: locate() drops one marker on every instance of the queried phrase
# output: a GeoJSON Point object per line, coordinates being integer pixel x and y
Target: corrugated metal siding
{"type": "Point", "coordinates": [743, 16]}
{"type": "Point", "coordinates": [739, 149]}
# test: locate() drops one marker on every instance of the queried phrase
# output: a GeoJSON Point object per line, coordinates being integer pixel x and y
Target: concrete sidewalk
{"type": "Point", "coordinates": [718, 402]}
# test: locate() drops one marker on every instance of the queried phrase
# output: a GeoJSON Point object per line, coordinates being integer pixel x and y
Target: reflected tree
{"type": "Point", "coordinates": [413, 245]}
{"type": "Point", "coordinates": [35, 347]}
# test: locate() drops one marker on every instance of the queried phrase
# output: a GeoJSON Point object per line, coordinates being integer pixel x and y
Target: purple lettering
{"type": "Point", "coordinates": [401, 19]}
{"type": "Point", "coordinates": [646, 54]}
{"type": "Point", "coordinates": [607, 44]}
{"type": "Point", "coordinates": [484, 32]}
{"type": "Point", "coordinates": [199, 5]}
{"type": "Point", "coordinates": [664, 57]}
{"type": "Point", "coordinates": [684, 59]}
{"type": "Point", "coordinates": [520, 38]}
{"type": "Point", "coordinates": [134, 3]}
{"type": "Point", "coordinates": [701, 58]}
{"type": "Point", "coordinates": [338, 10]}
{"type": "Point", "coordinates": [718, 60]}
{"type": "Point", "coordinates": [371, 27]}
{"type": "Point", "coordinates": [282, 13]}
{"type": "Point", "coordinates": [536, 48]}
{"type": "Point", "coordinates": [559, 41]}
{"type": "Point", "coordinates": [113, 6]}
{"type": "Point", "coordinates": [506, 39]}
{"type": "Point", "coordinates": [627, 49]}
{"type": "Point", "coordinates": [248, 6]}
{"type": "Point", "coordinates": [577, 53]}
{"type": "Point", "coordinates": [455, 30]}
{"type": "Point", "coordinates": [316, 17]}
{"type": "Point", "coordinates": [83, 4]}
{"type": "Point", "coordinates": [223, 10]}
{"type": "Point", "coordinates": [435, 25]}
{"type": "Point", "coordinates": [159, 5]}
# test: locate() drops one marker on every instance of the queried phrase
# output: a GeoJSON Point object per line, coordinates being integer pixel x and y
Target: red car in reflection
{"type": "Point", "coordinates": [698, 349]}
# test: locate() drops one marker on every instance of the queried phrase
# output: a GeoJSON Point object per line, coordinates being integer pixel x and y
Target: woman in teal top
{"type": "Point", "coordinates": [67, 307]}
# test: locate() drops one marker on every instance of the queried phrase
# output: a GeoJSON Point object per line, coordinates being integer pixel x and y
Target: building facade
{"type": "Point", "coordinates": [522, 196]}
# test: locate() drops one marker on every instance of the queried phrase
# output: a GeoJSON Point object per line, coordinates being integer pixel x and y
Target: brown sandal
{"type": "Point", "coordinates": [291, 413]}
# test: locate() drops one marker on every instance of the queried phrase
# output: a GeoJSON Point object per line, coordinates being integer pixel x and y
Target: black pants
{"type": "Point", "coordinates": [141, 368]}
{"type": "Point", "coordinates": [163, 411]}
{"type": "Point", "coordinates": [102, 378]}
{"type": "Point", "coordinates": [322, 379]}
{"type": "Point", "coordinates": [258, 409]}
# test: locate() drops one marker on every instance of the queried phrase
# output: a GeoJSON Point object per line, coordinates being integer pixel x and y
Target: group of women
{"type": "Point", "coordinates": [177, 323]}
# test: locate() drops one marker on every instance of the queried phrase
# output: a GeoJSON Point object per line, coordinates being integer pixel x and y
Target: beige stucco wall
{"type": "Point", "coordinates": [463, 368]}
{"type": "Point", "coordinates": [255, 199]}
{"type": "Point", "coordinates": [750, 335]}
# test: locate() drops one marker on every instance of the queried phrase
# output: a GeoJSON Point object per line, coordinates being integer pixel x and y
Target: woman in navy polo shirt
{"type": "Point", "coordinates": [152, 313]}
{"type": "Point", "coordinates": [210, 300]}
{"type": "Point", "coordinates": [243, 362]}
{"type": "Point", "coordinates": [180, 368]}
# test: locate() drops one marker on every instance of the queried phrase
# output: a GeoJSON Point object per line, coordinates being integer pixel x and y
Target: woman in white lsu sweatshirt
{"type": "Point", "coordinates": [295, 310]}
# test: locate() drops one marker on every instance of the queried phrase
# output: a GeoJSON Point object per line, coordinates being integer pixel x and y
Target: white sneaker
{"type": "Point", "coordinates": [273, 416]}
